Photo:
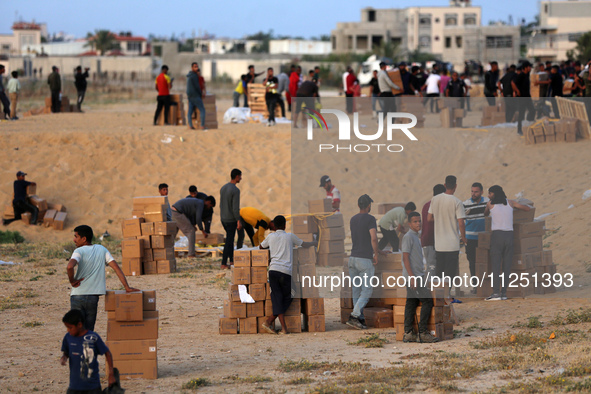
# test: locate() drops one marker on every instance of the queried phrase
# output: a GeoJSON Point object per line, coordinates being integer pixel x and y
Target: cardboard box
{"type": "Point", "coordinates": [242, 258]}
{"type": "Point", "coordinates": [335, 220]}
{"type": "Point", "coordinates": [320, 206]}
{"type": "Point", "coordinates": [459, 113]}
{"type": "Point", "coordinates": [258, 274]}
{"type": "Point", "coordinates": [234, 309]}
{"type": "Point", "coordinates": [313, 306]}
{"type": "Point", "coordinates": [48, 217]}
{"type": "Point", "coordinates": [149, 267]}
{"type": "Point", "coordinates": [484, 240]}
{"type": "Point", "coordinates": [480, 269]}
{"type": "Point", "coordinates": [259, 258]}
{"type": "Point", "coordinates": [482, 256]}
{"type": "Point", "coordinates": [397, 79]}
{"type": "Point", "coordinates": [325, 246]}
{"type": "Point", "coordinates": [293, 323]}
{"type": "Point", "coordinates": [487, 223]}
{"type": "Point", "coordinates": [260, 321]}
{"type": "Point", "coordinates": [400, 328]}
{"type": "Point", "coordinates": [398, 311]}
{"type": "Point", "coordinates": [59, 221]}
{"type": "Point", "coordinates": [131, 266]}
{"type": "Point", "coordinates": [57, 207]}
{"type": "Point", "coordinates": [146, 241]}
{"type": "Point", "coordinates": [330, 259]}
{"type": "Point", "coordinates": [142, 202]}
{"type": "Point", "coordinates": [166, 266]}
{"type": "Point", "coordinates": [149, 300]}
{"type": "Point", "coordinates": [133, 350]}
{"type": "Point", "coordinates": [315, 323]}
{"type": "Point", "coordinates": [132, 227]}
{"type": "Point", "coordinates": [162, 241]}
{"type": "Point", "coordinates": [110, 299]}
{"type": "Point", "coordinates": [295, 308]}
{"type": "Point", "coordinates": [234, 293]}
{"type": "Point", "coordinates": [547, 258]}
{"type": "Point", "coordinates": [132, 248]}
{"type": "Point", "coordinates": [212, 239]}
{"type": "Point", "coordinates": [136, 369]}
{"type": "Point", "coordinates": [147, 229]}
{"type": "Point", "coordinates": [228, 325]}
{"type": "Point", "coordinates": [39, 202]}
{"type": "Point", "coordinates": [268, 308]}
{"type": "Point", "coordinates": [258, 291]}
{"type": "Point", "coordinates": [527, 245]}
{"type": "Point", "coordinates": [347, 303]}
{"type": "Point", "coordinates": [147, 315]}
{"type": "Point", "coordinates": [308, 237]}
{"type": "Point", "coordinates": [378, 317]}
{"type": "Point", "coordinates": [255, 310]}
{"type": "Point", "coordinates": [529, 230]}
{"type": "Point", "coordinates": [305, 256]}
{"type": "Point", "coordinates": [435, 317]}
{"type": "Point", "coordinates": [389, 262]}
{"type": "Point", "coordinates": [304, 224]}
{"type": "Point", "coordinates": [165, 228]}
{"type": "Point", "coordinates": [520, 216]}
{"type": "Point", "coordinates": [248, 325]}
{"type": "Point", "coordinates": [163, 254]}
{"type": "Point", "coordinates": [123, 331]}
{"type": "Point", "coordinates": [307, 270]}
{"type": "Point", "coordinates": [332, 234]}
{"type": "Point", "coordinates": [241, 275]}
{"type": "Point", "coordinates": [31, 190]}
{"type": "Point", "coordinates": [345, 314]}
{"type": "Point", "coordinates": [137, 214]}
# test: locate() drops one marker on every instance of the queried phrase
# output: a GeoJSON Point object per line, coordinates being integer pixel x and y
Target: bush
{"type": "Point", "coordinates": [9, 237]}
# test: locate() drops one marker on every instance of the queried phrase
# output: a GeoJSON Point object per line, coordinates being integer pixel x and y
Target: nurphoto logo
{"type": "Point", "coordinates": [344, 131]}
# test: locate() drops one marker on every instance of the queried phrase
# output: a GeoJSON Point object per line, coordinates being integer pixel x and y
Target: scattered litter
{"type": "Point", "coordinates": [182, 139]}
{"type": "Point", "coordinates": [457, 375]}
{"type": "Point", "coordinates": [327, 373]}
{"type": "Point", "coordinates": [183, 242]}
{"type": "Point", "coordinates": [571, 206]}
{"type": "Point", "coordinates": [245, 298]}
{"type": "Point", "coordinates": [167, 138]}
{"type": "Point", "coordinates": [560, 371]}
{"type": "Point", "coordinates": [7, 262]}
{"type": "Point", "coordinates": [587, 194]}
{"type": "Point", "coordinates": [544, 216]}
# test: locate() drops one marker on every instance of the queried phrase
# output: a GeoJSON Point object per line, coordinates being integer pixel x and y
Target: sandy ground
{"type": "Point", "coordinates": [96, 162]}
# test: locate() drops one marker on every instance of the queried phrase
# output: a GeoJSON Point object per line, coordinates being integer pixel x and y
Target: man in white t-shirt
{"type": "Point", "coordinates": [431, 87]}
{"type": "Point", "coordinates": [89, 282]}
{"type": "Point", "coordinates": [468, 82]}
{"type": "Point", "coordinates": [280, 245]}
{"type": "Point", "coordinates": [447, 211]}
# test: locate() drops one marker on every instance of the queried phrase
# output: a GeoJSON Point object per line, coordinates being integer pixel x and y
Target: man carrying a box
{"type": "Point", "coordinates": [331, 192]}
{"type": "Point", "coordinates": [280, 245]}
{"type": "Point", "coordinates": [188, 213]}
{"type": "Point", "coordinates": [474, 207]}
{"type": "Point", "coordinates": [416, 285]}
{"type": "Point", "coordinates": [393, 222]}
{"type": "Point", "coordinates": [19, 202]}
{"type": "Point", "coordinates": [89, 282]}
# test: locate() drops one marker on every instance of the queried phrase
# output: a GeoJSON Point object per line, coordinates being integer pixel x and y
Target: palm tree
{"type": "Point", "coordinates": [101, 40]}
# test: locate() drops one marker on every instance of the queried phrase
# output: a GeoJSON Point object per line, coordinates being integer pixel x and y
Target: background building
{"type": "Point", "coordinates": [24, 34]}
{"type": "Point", "coordinates": [561, 24]}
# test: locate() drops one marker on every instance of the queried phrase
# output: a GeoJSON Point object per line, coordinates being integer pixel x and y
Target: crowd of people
{"type": "Point", "coordinates": [431, 246]}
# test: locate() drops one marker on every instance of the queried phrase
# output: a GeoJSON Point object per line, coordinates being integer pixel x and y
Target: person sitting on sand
{"type": "Point", "coordinates": [19, 202]}
{"type": "Point", "coordinates": [280, 245]}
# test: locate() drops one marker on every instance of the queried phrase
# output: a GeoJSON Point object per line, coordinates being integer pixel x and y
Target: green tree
{"type": "Point", "coordinates": [421, 57]}
{"type": "Point", "coordinates": [582, 51]}
{"type": "Point", "coordinates": [386, 49]}
{"type": "Point", "coordinates": [263, 47]}
{"type": "Point", "coordinates": [102, 41]}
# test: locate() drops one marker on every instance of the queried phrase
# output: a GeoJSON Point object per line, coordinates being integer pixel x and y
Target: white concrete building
{"type": "Point", "coordinates": [24, 34]}
{"type": "Point", "coordinates": [300, 47]}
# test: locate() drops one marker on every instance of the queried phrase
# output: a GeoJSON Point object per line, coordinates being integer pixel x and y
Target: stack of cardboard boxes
{"type": "Point", "coordinates": [148, 239]}
{"type": "Point", "coordinates": [331, 234]}
{"type": "Point", "coordinates": [386, 307]}
{"type": "Point", "coordinates": [51, 215]}
{"type": "Point", "coordinates": [545, 130]}
{"type": "Point", "coordinates": [450, 112]}
{"type": "Point", "coordinates": [529, 258]}
{"type": "Point", "coordinates": [250, 270]}
{"type": "Point", "coordinates": [413, 105]}
{"type": "Point", "coordinates": [211, 120]}
{"type": "Point", "coordinates": [132, 333]}
{"type": "Point", "coordinates": [493, 114]}
{"type": "Point", "coordinates": [176, 114]}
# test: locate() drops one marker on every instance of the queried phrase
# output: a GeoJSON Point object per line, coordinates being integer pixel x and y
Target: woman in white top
{"type": "Point", "coordinates": [501, 242]}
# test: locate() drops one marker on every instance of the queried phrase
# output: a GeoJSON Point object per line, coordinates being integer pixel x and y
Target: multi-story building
{"type": "Point", "coordinates": [561, 24]}
{"type": "Point", "coordinates": [24, 34]}
{"type": "Point", "coordinates": [452, 33]}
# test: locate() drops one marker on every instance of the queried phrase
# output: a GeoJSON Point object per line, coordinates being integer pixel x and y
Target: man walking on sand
{"type": "Point", "coordinates": [364, 256]}
{"type": "Point", "coordinates": [55, 86]}
{"type": "Point", "coordinates": [195, 96]}
{"type": "Point", "coordinates": [163, 86]}
{"type": "Point", "coordinates": [447, 211]}
{"type": "Point", "coordinates": [89, 282]}
{"type": "Point", "coordinates": [230, 215]}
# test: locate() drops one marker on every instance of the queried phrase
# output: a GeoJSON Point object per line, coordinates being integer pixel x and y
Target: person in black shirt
{"type": "Point", "coordinates": [417, 79]}
{"type": "Point", "coordinates": [307, 94]}
{"type": "Point", "coordinates": [456, 88]}
{"type": "Point", "coordinates": [556, 84]}
{"type": "Point", "coordinates": [80, 83]}
{"type": "Point", "coordinates": [19, 202]}
{"type": "Point", "coordinates": [374, 90]}
{"type": "Point", "coordinates": [406, 80]}
{"type": "Point", "coordinates": [506, 88]}
{"type": "Point", "coordinates": [250, 79]}
{"type": "Point", "coordinates": [521, 89]}
{"type": "Point", "coordinates": [271, 96]}
{"type": "Point", "coordinates": [207, 215]}
{"type": "Point", "coordinates": [490, 83]}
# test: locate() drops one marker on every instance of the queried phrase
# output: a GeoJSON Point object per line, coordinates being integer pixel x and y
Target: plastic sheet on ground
{"type": "Point", "coordinates": [587, 194]}
{"type": "Point", "coordinates": [6, 263]}
{"type": "Point", "coordinates": [237, 115]}
{"type": "Point", "coordinates": [183, 242]}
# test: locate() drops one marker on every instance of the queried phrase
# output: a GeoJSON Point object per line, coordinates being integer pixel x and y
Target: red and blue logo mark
{"type": "Point", "coordinates": [317, 117]}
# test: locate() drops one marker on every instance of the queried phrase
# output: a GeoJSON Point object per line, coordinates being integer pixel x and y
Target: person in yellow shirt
{"type": "Point", "coordinates": [240, 90]}
{"type": "Point", "coordinates": [253, 219]}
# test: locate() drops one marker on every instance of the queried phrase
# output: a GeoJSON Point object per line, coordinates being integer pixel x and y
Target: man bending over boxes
{"type": "Point", "coordinates": [280, 245]}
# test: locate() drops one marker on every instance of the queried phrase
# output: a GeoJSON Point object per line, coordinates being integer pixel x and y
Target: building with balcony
{"type": "Point", "coordinates": [24, 34]}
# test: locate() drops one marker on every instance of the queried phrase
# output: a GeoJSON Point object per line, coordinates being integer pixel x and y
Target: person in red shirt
{"type": "Point", "coordinates": [201, 82]}
{"type": "Point", "coordinates": [428, 233]}
{"type": "Point", "coordinates": [163, 86]}
{"type": "Point", "coordinates": [350, 92]}
{"type": "Point", "coordinates": [294, 82]}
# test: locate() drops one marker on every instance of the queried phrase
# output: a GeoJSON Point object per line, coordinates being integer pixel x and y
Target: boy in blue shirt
{"type": "Point", "coordinates": [82, 347]}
